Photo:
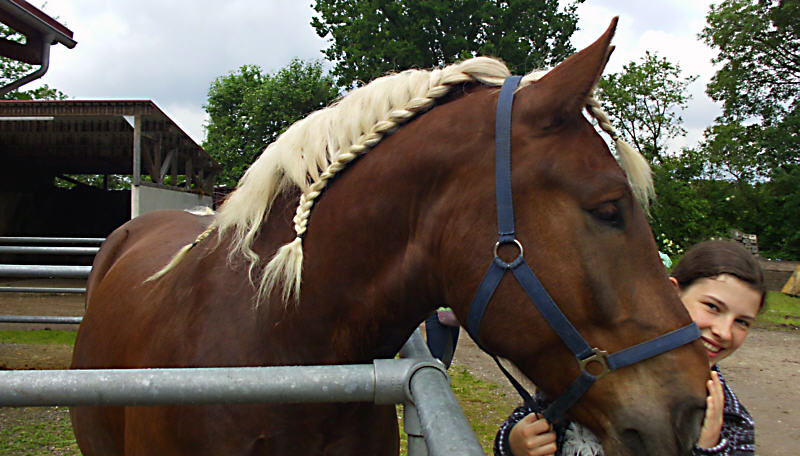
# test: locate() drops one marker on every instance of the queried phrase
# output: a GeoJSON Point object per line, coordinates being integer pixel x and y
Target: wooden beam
{"type": "Point", "coordinates": [166, 165]}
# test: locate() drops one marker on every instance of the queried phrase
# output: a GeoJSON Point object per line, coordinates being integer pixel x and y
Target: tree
{"type": "Point", "coordinates": [758, 44]}
{"type": "Point", "coordinates": [12, 70]}
{"type": "Point", "coordinates": [370, 38]}
{"type": "Point", "coordinates": [248, 109]}
{"type": "Point", "coordinates": [644, 101]}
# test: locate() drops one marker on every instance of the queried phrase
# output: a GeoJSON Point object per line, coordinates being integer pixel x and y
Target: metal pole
{"type": "Point", "coordinates": [44, 319]}
{"type": "Point", "coordinates": [447, 430]}
{"type": "Point", "coordinates": [41, 290]}
{"type": "Point", "coordinates": [44, 271]}
{"type": "Point", "coordinates": [413, 429]}
{"type": "Point", "coordinates": [48, 250]}
{"type": "Point", "coordinates": [232, 385]}
{"type": "Point", "coordinates": [49, 240]}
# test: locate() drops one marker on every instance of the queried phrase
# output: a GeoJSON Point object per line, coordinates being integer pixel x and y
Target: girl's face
{"type": "Point", "coordinates": [724, 307]}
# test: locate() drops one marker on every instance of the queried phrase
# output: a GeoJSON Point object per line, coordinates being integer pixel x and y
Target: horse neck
{"type": "Point", "coordinates": [371, 260]}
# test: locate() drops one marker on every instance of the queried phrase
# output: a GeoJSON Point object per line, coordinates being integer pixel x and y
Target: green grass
{"type": "Point", "coordinates": [35, 431]}
{"type": "Point", "coordinates": [38, 337]}
{"type": "Point", "coordinates": [484, 404]}
{"type": "Point", "coordinates": [781, 312]}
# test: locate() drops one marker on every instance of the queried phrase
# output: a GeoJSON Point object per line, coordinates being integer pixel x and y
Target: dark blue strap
{"type": "Point", "coordinates": [481, 299]}
{"type": "Point", "coordinates": [654, 347]}
{"type": "Point", "coordinates": [558, 321]}
{"type": "Point", "coordinates": [526, 396]}
{"type": "Point", "coordinates": [502, 170]}
{"type": "Point", "coordinates": [556, 411]}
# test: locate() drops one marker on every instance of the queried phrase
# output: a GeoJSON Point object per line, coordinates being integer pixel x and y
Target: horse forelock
{"type": "Point", "coordinates": [314, 149]}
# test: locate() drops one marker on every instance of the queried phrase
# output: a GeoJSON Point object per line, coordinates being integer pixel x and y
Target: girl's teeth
{"type": "Point", "coordinates": [710, 347]}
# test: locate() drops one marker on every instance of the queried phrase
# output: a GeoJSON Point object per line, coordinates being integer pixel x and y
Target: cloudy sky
{"type": "Point", "coordinates": [169, 51]}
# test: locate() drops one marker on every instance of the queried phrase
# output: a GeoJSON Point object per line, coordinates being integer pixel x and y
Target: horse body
{"type": "Point", "coordinates": [408, 228]}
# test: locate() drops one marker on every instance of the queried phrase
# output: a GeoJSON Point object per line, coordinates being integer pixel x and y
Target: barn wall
{"type": "Point", "coordinates": [77, 212]}
{"type": "Point", "coordinates": [146, 199]}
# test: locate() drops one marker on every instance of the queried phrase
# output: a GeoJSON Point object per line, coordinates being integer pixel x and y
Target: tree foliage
{"type": "Point", "coordinates": [758, 44]}
{"type": "Point", "coordinates": [370, 38]}
{"type": "Point", "coordinates": [12, 70]}
{"type": "Point", "coordinates": [248, 109]}
{"type": "Point", "coordinates": [644, 101]}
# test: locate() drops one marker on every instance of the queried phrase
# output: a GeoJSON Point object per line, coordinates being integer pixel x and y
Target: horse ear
{"type": "Point", "coordinates": [563, 91]}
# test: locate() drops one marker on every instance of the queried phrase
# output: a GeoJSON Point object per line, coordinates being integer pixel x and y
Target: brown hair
{"type": "Point", "coordinates": [716, 257]}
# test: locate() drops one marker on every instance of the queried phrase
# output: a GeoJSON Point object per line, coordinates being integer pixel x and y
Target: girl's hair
{"type": "Point", "coordinates": [715, 257]}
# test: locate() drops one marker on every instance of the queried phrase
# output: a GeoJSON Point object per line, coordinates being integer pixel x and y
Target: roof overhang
{"type": "Point", "coordinates": [54, 137]}
{"type": "Point", "coordinates": [41, 31]}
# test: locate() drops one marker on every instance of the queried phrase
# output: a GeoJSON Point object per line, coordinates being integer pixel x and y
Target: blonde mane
{"type": "Point", "coordinates": [316, 148]}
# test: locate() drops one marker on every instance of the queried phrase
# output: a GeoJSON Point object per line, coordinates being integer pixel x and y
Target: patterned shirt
{"type": "Point", "coordinates": [737, 439]}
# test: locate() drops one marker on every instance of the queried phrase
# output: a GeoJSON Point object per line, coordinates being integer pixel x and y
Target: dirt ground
{"type": "Point", "coordinates": [765, 372]}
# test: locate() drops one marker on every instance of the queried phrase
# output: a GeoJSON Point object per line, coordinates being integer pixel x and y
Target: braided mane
{"type": "Point", "coordinates": [316, 148]}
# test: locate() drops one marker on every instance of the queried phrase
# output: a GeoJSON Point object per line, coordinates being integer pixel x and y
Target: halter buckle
{"type": "Point", "coordinates": [599, 356]}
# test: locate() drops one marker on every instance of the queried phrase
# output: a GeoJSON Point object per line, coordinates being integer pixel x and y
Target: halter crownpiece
{"type": "Point", "coordinates": [584, 353]}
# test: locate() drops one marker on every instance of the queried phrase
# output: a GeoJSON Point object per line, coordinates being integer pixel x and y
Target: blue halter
{"type": "Point", "coordinates": [584, 353]}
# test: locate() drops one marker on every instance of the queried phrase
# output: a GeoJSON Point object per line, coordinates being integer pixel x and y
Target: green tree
{"type": "Point", "coordinates": [248, 109]}
{"type": "Point", "coordinates": [370, 38]}
{"type": "Point", "coordinates": [644, 101]}
{"type": "Point", "coordinates": [12, 70]}
{"type": "Point", "coordinates": [758, 44]}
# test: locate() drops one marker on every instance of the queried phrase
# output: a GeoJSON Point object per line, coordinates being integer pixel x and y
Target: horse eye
{"type": "Point", "coordinates": [608, 213]}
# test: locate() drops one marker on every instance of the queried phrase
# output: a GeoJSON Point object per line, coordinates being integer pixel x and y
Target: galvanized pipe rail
{"type": "Point", "coordinates": [50, 240]}
{"type": "Point", "coordinates": [75, 290]}
{"type": "Point", "coordinates": [47, 250]}
{"type": "Point", "coordinates": [41, 319]}
{"type": "Point", "coordinates": [38, 271]}
{"type": "Point", "coordinates": [419, 381]}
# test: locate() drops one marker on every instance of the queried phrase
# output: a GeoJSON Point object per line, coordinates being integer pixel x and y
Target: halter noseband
{"type": "Point", "coordinates": [584, 353]}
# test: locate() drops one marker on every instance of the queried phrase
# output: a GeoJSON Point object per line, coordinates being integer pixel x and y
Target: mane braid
{"type": "Point", "coordinates": [315, 149]}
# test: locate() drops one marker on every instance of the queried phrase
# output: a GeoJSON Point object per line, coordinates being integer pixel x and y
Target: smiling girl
{"type": "Point", "coordinates": [722, 286]}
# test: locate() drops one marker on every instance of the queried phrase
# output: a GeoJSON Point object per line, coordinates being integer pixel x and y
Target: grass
{"type": "Point", "coordinates": [484, 404]}
{"type": "Point", "coordinates": [38, 337]}
{"type": "Point", "coordinates": [781, 312]}
{"type": "Point", "coordinates": [34, 431]}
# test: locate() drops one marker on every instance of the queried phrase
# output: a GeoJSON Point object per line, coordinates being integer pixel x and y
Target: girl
{"type": "Point", "coordinates": [722, 286]}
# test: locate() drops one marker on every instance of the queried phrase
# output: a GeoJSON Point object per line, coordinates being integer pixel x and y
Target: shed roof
{"type": "Point", "coordinates": [90, 137]}
{"type": "Point", "coordinates": [37, 26]}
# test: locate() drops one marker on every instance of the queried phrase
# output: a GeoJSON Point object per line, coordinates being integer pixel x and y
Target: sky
{"type": "Point", "coordinates": [170, 51]}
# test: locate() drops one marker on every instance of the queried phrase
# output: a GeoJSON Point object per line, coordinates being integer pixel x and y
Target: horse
{"type": "Point", "coordinates": [399, 178]}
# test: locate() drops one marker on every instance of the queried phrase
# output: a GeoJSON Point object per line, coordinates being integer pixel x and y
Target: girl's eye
{"type": "Point", "coordinates": [743, 323]}
{"type": "Point", "coordinates": [711, 306]}
{"type": "Point", "coordinates": [608, 213]}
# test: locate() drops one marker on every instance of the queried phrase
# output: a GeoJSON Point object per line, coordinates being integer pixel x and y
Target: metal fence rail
{"type": "Point", "coordinates": [34, 271]}
{"type": "Point", "coordinates": [41, 319]}
{"type": "Point", "coordinates": [50, 240]}
{"type": "Point", "coordinates": [418, 381]}
{"type": "Point", "coordinates": [41, 290]}
{"type": "Point", "coordinates": [47, 250]}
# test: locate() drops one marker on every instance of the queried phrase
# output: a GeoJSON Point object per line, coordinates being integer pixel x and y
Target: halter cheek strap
{"type": "Point", "coordinates": [584, 353]}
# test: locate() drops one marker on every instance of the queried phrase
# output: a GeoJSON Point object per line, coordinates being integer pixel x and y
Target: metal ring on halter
{"type": "Point", "coordinates": [516, 260]}
{"type": "Point", "coordinates": [601, 357]}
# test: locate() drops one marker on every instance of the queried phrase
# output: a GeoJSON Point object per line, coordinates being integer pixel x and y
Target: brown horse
{"type": "Point", "coordinates": [408, 227]}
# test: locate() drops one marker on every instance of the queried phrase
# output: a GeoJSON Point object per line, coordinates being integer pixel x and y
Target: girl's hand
{"type": "Point", "coordinates": [712, 423]}
{"type": "Point", "coordinates": [532, 436]}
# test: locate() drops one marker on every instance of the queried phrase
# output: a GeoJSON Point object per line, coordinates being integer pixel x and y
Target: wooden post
{"type": "Point", "coordinates": [189, 172]}
{"type": "Point", "coordinates": [137, 150]}
{"type": "Point", "coordinates": [174, 165]}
